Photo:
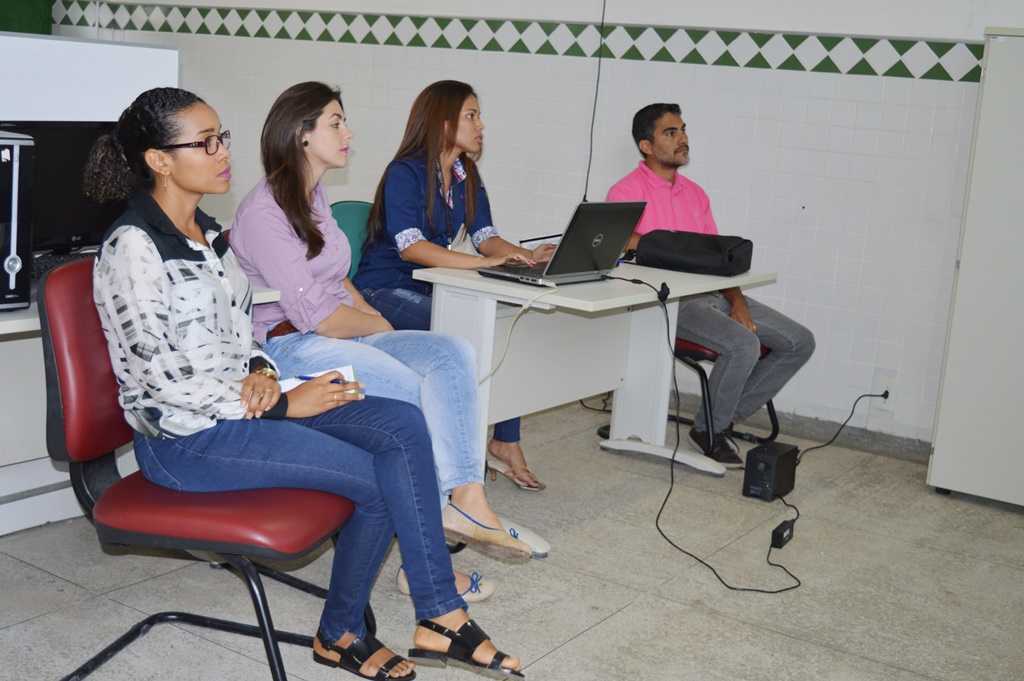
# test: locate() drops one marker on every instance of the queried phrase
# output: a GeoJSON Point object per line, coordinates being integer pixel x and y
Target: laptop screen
{"type": "Point", "coordinates": [595, 237]}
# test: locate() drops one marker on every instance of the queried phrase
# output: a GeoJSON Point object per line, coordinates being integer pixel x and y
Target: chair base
{"type": "Point", "coordinates": [145, 625]}
{"type": "Point", "coordinates": [264, 631]}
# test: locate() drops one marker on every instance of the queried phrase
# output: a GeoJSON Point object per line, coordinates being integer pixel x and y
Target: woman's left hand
{"type": "Point", "coordinates": [363, 306]}
{"type": "Point", "coordinates": [543, 252]}
{"type": "Point", "coordinates": [259, 393]}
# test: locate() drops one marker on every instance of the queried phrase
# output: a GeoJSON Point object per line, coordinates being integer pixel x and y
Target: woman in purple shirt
{"type": "Point", "coordinates": [286, 238]}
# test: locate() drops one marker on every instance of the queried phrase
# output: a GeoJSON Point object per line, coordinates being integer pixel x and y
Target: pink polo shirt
{"type": "Point", "coordinates": [681, 206]}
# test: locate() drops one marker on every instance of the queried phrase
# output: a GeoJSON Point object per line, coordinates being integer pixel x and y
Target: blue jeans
{"type": "Point", "coordinates": [406, 309]}
{"type": "Point", "coordinates": [376, 452]}
{"type": "Point", "coordinates": [740, 383]}
{"type": "Point", "coordinates": [430, 370]}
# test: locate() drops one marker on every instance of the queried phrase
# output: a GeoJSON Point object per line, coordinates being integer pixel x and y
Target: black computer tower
{"type": "Point", "coordinates": [17, 162]}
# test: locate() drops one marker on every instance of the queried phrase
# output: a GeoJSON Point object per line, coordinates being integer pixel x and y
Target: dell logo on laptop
{"type": "Point", "coordinates": [597, 240]}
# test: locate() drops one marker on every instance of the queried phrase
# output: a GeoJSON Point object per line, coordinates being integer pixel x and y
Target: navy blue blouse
{"type": "Point", "coordinates": [404, 218]}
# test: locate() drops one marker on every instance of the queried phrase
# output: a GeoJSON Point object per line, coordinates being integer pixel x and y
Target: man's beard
{"type": "Point", "coordinates": [674, 161]}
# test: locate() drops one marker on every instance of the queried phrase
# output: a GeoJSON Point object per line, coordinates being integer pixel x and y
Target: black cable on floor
{"type": "Point", "coordinates": [602, 409]}
{"type": "Point", "coordinates": [662, 297]}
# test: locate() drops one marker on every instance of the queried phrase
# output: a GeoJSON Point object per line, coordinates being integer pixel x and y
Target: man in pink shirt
{"type": "Point", "coordinates": [725, 321]}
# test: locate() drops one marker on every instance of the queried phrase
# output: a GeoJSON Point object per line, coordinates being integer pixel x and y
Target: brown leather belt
{"type": "Point", "coordinates": [282, 329]}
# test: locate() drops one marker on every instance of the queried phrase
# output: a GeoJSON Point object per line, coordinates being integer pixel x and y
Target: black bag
{"type": "Point", "coordinates": [698, 253]}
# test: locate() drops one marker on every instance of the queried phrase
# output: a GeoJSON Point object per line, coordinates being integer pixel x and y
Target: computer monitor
{"type": "Point", "coordinates": [64, 219]}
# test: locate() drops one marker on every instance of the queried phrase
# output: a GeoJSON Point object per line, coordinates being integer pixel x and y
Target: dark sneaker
{"type": "Point", "coordinates": [722, 448]}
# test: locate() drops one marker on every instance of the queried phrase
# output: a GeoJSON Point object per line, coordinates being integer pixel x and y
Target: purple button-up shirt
{"type": "Point", "coordinates": [272, 255]}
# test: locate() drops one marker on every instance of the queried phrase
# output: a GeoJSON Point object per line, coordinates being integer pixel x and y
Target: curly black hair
{"type": "Point", "coordinates": [117, 165]}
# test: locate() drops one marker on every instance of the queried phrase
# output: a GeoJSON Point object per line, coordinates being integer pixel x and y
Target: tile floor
{"type": "Point", "coordinates": [898, 581]}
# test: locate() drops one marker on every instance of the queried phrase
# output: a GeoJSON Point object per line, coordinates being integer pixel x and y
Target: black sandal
{"type": "Point", "coordinates": [355, 656]}
{"type": "Point", "coordinates": [460, 651]}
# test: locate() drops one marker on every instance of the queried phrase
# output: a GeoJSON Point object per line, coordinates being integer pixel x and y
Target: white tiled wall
{"type": "Point", "coordinates": [851, 187]}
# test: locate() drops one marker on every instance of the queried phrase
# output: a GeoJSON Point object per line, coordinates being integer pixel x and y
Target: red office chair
{"type": "Point", "coordinates": [691, 354]}
{"type": "Point", "coordinates": [85, 424]}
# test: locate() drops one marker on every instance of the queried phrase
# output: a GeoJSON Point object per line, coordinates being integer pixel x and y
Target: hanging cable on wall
{"type": "Point", "coordinates": [597, 89]}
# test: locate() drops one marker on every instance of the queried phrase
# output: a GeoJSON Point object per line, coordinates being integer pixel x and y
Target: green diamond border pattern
{"type": "Point", "coordinates": [848, 55]}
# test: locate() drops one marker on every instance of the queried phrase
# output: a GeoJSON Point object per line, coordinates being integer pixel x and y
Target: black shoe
{"type": "Point", "coordinates": [722, 449]}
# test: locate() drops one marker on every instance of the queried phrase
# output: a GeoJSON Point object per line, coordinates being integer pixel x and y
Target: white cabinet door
{"type": "Point", "coordinates": [976, 443]}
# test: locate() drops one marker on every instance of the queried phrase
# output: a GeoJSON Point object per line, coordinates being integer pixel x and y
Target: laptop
{"type": "Point", "coordinates": [590, 247]}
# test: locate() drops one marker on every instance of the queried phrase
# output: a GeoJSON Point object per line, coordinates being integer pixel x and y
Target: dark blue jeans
{"type": "Point", "coordinates": [376, 452]}
{"type": "Point", "coordinates": [408, 310]}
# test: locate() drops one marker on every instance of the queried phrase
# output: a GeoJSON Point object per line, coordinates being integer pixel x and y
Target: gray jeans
{"type": "Point", "coordinates": [741, 384]}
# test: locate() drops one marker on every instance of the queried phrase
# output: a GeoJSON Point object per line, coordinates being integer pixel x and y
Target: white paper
{"type": "Point", "coordinates": [348, 371]}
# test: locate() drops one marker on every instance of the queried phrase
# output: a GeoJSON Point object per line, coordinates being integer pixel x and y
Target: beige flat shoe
{"type": "Point", "coordinates": [520, 476]}
{"type": "Point", "coordinates": [479, 589]}
{"type": "Point", "coordinates": [460, 526]}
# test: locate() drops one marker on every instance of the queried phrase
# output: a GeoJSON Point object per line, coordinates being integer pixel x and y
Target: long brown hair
{"type": "Point", "coordinates": [293, 115]}
{"type": "Point", "coordinates": [430, 134]}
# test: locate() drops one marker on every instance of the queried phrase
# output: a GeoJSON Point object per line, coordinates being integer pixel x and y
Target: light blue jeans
{"type": "Point", "coordinates": [740, 383]}
{"type": "Point", "coordinates": [405, 309]}
{"type": "Point", "coordinates": [432, 371]}
{"type": "Point", "coordinates": [376, 452]}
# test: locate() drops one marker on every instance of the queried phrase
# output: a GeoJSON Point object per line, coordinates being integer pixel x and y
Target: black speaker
{"type": "Point", "coordinates": [770, 470]}
{"type": "Point", "coordinates": [17, 160]}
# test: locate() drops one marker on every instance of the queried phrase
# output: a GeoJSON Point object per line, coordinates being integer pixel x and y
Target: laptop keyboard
{"type": "Point", "coordinates": [523, 269]}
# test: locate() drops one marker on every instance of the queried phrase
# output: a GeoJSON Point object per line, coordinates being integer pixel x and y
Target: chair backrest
{"type": "Point", "coordinates": [84, 420]}
{"type": "Point", "coordinates": [352, 217]}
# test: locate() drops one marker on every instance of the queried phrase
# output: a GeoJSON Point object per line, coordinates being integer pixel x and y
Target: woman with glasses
{"type": "Point", "coordinates": [209, 413]}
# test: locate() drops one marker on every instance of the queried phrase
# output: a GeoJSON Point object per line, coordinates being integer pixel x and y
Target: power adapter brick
{"type": "Point", "coordinates": [782, 534]}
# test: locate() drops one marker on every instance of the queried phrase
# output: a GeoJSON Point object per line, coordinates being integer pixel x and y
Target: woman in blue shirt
{"type": "Point", "coordinates": [428, 193]}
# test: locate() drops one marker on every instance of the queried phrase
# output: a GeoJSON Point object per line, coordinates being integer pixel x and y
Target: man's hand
{"type": "Point", "coordinates": [739, 311]}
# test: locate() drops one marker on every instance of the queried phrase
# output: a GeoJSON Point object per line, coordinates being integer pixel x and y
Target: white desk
{"type": "Point", "coordinates": [578, 341]}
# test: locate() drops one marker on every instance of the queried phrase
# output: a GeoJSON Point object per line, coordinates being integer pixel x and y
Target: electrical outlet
{"type": "Point", "coordinates": [882, 384]}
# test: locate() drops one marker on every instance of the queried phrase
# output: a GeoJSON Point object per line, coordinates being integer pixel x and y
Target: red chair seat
{"type": "Point", "coordinates": [276, 523]}
{"type": "Point", "coordinates": [699, 352]}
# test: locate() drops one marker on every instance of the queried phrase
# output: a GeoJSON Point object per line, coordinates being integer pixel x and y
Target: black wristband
{"type": "Point", "coordinates": [279, 410]}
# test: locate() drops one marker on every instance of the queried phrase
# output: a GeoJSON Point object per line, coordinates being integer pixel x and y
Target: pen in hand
{"type": "Point", "coordinates": [339, 381]}
{"type": "Point", "coordinates": [310, 378]}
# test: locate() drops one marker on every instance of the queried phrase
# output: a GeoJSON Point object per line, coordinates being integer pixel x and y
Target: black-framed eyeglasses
{"type": "Point", "coordinates": [212, 143]}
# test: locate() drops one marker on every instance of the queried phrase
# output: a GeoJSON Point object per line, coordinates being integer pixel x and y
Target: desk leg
{"type": "Point", "coordinates": [466, 314]}
{"type": "Point", "coordinates": [641, 405]}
